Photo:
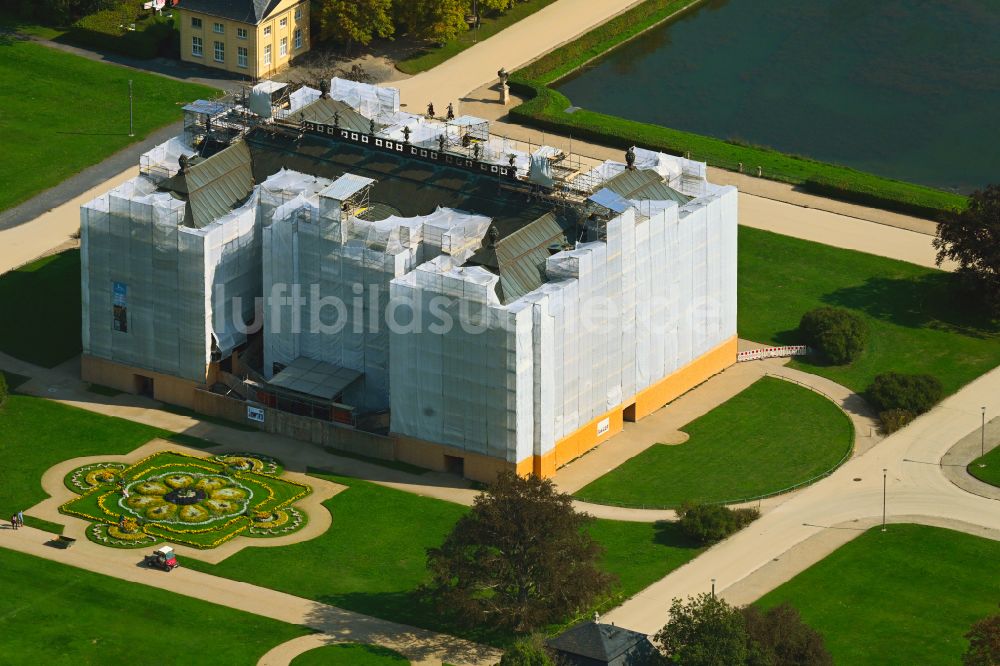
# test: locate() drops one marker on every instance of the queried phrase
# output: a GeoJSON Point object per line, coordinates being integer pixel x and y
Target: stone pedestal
{"type": "Point", "coordinates": [504, 94]}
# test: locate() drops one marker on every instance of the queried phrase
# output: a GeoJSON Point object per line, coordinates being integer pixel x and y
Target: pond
{"type": "Point", "coordinates": [908, 89]}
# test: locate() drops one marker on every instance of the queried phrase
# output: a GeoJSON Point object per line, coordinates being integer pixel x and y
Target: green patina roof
{"type": "Point", "coordinates": [644, 185]}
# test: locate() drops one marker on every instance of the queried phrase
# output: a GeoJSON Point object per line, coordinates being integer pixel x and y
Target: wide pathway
{"type": "Point", "coordinates": [916, 487]}
{"type": "Point", "coordinates": [515, 46]}
{"type": "Point", "coordinates": [419, 645]}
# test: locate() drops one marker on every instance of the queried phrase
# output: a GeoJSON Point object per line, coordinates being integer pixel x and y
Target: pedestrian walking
{"type": "Point", "coordinates": [13, 521]}
{"type": "Point", "coordinates": [451, 111]}
{"type": "Point", "coordinates": [20, 518]}
{"type": "Point", "coordinates": [430, 110]}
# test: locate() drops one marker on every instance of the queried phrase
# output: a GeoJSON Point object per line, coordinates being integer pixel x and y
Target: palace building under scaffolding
{"type": "Point", "coordinates": [326, 266]}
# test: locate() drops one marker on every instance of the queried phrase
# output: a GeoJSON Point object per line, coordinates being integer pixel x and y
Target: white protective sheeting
{"type": "Point", "coordinates": [686, 176]}
{"type": "Point", "coordinates": [302, 97]}
{"type": "Point", "coordinates": [183, 290]}
{"type": "Point", "coordinates": [162, 161]}
{"type": "Point", "coordinates": [315, 252]}
{"type": "Point", "coordinates": [368, 100]}
{"type": "Point", "coordinates": [614, 318]}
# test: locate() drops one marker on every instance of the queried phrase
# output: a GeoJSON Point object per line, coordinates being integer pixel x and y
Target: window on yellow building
{"type": "Point", "coordinates": [298, 13]}
{"type": "Point", "coordinates": [241, 56]}
{"type": "Point", "coordinates": [196, 47]}
{"type": "Point", "coordinates": [283, 48]}
{"type": "Point", "coordinates": [283, 22]}
{"type": "Point", "coordinates": [220, 52]}
{"type": "Point", "coordinates": [298, 38]}
{"type": "Point", "coordinates": [267, 31]}
{"type": "Point", "coordinates": [196, 22]}
{"type": "Point", "coordinates": [218, 28]}
{"type": "Point", "coordinates": [241, 33]}
{"type": "Point", "coordinates": [267, 54]}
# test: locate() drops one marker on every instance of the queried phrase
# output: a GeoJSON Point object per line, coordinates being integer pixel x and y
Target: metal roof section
{"type": "Point", "coordinates": [324, 110]}
{"type": "Point", "coordinates": [611, 200]}
{"type": "Point", "coordinates": [600, 643]}
{"type": "Point", "coordinates": [205, 106]}
{"type": "Point", "coordinates": [244, 11]}
{"type": "Point", "coordinates": [521, 256]}
{"type": "Point", "coordinates": [346, 186]}
{"type": "Point", "coordinates": [644, 185]}
{"type": "Point", "coordinates": [217, 184]}
{"type": "Point", "coordinates": [315, 378]}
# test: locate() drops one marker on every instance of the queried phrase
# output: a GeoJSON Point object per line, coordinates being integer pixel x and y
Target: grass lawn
{"type": "Point", "coordinates": [63, 113]}
{"type": "Point", "coordinates": [918, 322]}
{"type": "Point", "coordinates": [432, 56]}
{"type": "Point", "coordinates": [991, 473]}
{"type": "Point", "coordinates": [45, 298]}
{"type": "Point", "coordinates": [906, 596]}
{"type": "Point", "coordinates": [35, 434]}
{"type": "Point", "coordinates": [66, 615]}
{"type": "Point", "coordinates": [773, 435]}
{"type": "Point", "coordinates": [373, 558]}
{"type": "Point", "coordinates": [350, 654]}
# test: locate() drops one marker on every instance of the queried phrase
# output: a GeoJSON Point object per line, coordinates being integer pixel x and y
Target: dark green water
{"type": "Point", "coordinates": [908, 89]}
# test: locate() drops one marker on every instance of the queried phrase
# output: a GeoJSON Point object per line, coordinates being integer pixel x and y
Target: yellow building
{"type": "Point", "coordinates": [255, 38]}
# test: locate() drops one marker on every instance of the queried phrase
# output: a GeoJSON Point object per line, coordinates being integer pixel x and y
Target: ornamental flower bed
{"type": "Point", "coordinates": [185, 499]}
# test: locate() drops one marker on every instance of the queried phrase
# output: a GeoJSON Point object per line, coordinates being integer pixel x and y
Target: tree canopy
{"type": "Point", "coordinates": [521, 558]}
{"type": "Point", "coordinates": [707, 631]}
{"type": "Point", "coordinates": [972, 239]}
{"type": "Point", "coordinates": [354, 21]}
{"type": "Point", "coordinates": [984, 643]}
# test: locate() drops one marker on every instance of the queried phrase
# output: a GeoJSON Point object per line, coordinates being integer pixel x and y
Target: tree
{"type": "Point", "coordinates": [972, 239]}
{"type": "Point", "coordinates": [519, 559]}
{"type": "Point", "coordinates": [527, 652]}
{"type": "Point", "coordinates": [354, 21]}
{"type": "Point", "coordinates": [437, 21]}
{"type": "Point", "coordinates": [838, 334]}
{"type": "Point", "coordinates": [984, 643]}
{"type": "Point", "coordinates": [705, 631]}
{"type": "Point", "coordinates": [779, 637]}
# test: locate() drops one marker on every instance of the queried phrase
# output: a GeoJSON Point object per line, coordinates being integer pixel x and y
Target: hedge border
{"type": "Point", "coordinates": [545, 108]}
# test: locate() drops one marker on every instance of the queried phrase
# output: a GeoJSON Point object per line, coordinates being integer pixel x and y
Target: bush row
{"type": "Point", "coordinates": [546, 109]}
{"type": "Point", "coordinates": [900, 398]}
{"type": "Point", "coordinates": [709, 523]}
{"type": "Point", "coordinates": [103, 30]}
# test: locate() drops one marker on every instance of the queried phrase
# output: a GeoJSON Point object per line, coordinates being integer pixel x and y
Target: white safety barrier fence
{"type": "Point", "coordinates": [772, 352]}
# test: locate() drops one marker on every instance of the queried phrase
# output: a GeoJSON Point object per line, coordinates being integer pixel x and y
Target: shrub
{"type": "Point", "coordinates": [3, 388]}
{"type": "Point", "coordinates": [895, 419]}
{"type": "Point", "coordinates": [709, 523]}
{"type": "Point", "coordinates": [838, 334]}
{"type": "Point", "coordinates": [912, 393]}
{"type": "Point", "coordinates": [528, 651]}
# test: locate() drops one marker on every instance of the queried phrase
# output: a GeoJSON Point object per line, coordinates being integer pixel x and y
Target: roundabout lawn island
{"type": "Point", "coordinates": [199, 502]}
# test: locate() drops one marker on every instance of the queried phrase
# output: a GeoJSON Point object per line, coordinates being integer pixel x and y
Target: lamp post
{"type": "Point", "coordinates": [885, 474]}
{"type": "Point", "coordinates": [131, 131]}
{"type": "Point", "coordinates": [713, 588]}
{"type": "Point", "coordinates": [982, 439]}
